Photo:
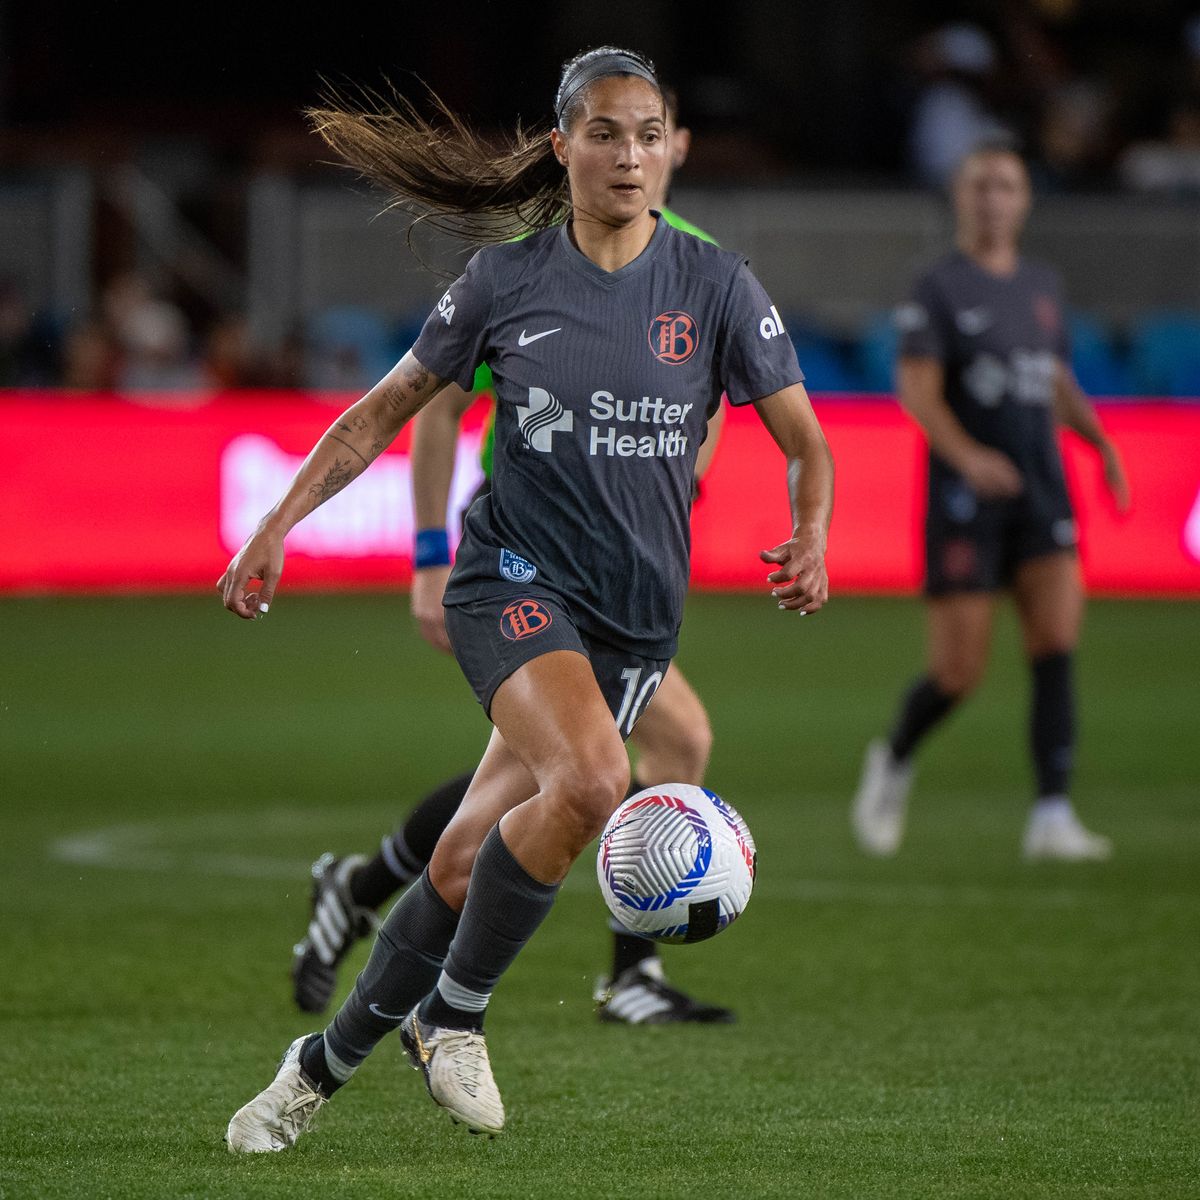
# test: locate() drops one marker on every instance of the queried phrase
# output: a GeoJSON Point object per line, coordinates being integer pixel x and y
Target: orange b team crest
{"type": "Point", "coordinates": [673, 337]}
{"type": "Point", "coordinates": [524, 618]}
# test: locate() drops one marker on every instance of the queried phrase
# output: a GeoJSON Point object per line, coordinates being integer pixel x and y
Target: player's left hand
{"type": "Point", "coordinates": [260, 558]}
{"type": "Point", "coordinates": [428, 585]}
{"type": "Point", "coordinates": [1114, 477]}
{"type": "Point", "coordinates": [801, 582]}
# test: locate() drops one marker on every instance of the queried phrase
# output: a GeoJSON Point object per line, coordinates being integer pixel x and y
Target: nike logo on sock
{"type": "Point", "coordinates": [386, 1016]}
{"type": "Point", "coordinates": [526, 338]}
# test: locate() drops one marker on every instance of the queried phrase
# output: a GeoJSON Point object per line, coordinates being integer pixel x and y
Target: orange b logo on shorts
{"type": "Point", "coordinates": [524, 618]}
{"type": "Point", "coordinates": [673, 337]}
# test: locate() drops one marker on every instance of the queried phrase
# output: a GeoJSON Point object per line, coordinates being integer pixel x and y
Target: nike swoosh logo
{"type": "Point", "coordinates": [973, 320]}
{"type": "Point", "coordinates": [525, 338]}
{"type": "Point", "coordinates": [387, 1016]}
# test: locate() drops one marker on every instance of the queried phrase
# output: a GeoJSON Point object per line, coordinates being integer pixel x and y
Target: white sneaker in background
{"type": "Point", "coordinates": [1053, 831]}
{"type": "Point", "coordinates": [881, 802]}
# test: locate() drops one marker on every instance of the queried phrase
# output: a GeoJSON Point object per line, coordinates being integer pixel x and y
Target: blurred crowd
{"type": "Point", "coordinates": [140, 341]}
{"type": "Point", "coordinates": [1117, 122]}
{"type": "Point", "coordinates": [140, 344]}
{"type": "Point", "coordinates": [1092, 113]}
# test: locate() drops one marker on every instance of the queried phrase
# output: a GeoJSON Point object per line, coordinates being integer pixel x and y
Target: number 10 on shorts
{"type": "Point", "coordinates": [638, 694]}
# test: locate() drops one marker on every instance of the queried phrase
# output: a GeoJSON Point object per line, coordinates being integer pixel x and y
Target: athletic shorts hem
{"type": "Point", "coordinates": [486, 692]}
{"type": "Point", "coordinates": [934, 588]}
{"type": "Point", "coordinates": [494, 636]}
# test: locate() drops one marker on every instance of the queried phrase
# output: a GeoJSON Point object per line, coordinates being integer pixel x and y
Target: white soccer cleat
{"type": "Point", "coordinates": [1055, 832]}
{"type": "Point", "coordinates": [276, 1117]}
{"type": "Point", "coordinates": [457, 1072]}
{"type": "Point", "coordinates": [881, 802]}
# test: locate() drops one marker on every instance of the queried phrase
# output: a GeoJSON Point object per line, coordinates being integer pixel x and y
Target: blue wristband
{"type": "Point", "coordinates": [431, 548]}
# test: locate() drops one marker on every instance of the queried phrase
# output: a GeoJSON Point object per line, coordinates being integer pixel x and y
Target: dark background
{"type": "Point", "coordinates": [792, 86]}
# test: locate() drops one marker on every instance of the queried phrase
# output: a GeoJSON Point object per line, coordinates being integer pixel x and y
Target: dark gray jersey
{"type": "Point", "coordinates": [999, 340]}
{"type": "Point", "coordinates": [604, 385]}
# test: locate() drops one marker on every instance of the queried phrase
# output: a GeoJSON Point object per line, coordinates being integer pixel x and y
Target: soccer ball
{"type": "Point", "coordinates": [676, 863]}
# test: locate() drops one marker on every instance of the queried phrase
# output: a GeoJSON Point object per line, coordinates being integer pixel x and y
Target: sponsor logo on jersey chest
{"type": "Point", "coordinates": [545, 416]}
{"type": "Point", "coordinates": [542, 418]}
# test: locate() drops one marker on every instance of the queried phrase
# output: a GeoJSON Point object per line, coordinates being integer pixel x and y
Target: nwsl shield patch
{"type": "Point", "coordinates": [515, 568]}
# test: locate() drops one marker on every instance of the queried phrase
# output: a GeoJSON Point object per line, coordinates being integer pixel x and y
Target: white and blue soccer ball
{"type": "Point", "coordinates": [676, 863]}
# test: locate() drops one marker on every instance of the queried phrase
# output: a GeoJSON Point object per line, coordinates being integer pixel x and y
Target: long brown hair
{"type": "Point", "coordinates": [447, 175]}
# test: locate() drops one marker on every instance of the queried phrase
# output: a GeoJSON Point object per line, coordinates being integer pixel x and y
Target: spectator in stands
{"type": "Point", "coordinates": [1170, 165]}
{"type": "Point", "coordinates": [953, 113]}
{"type": "Point", "coordinates": [29, 349]}
{"type": "Point", "coordinates": [231, 361]}
{"type": "Point", "coordinates": [90, 358]}
{"type": "Point", "coordinates": [152, 336]}
{"type": "Point", "coordinates": [1073, 137]}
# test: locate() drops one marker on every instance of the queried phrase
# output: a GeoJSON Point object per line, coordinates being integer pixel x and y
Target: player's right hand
{"type": "Point", "coordinates": [427, 587]}
{"type": "Point", "coordinates": [260, 558]}
{"type": "Point", "coordinates": [992, 474]}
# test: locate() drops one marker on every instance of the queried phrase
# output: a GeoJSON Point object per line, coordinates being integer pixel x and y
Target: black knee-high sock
{"type": "Point", "coordinates": [925, 704]}
{"type": "Point", "coordinates": [1052, 723]}
{"type": "Point", "coordinates": [505, 905]}
{"type": "Point", "coordinates": [404, 854]}
{"type": "Point", "coordinates": [629, 949]}
{"type": "Point", "coordinates": [404, 965]}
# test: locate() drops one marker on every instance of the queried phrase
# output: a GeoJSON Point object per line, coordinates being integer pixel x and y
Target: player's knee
{"type": "Point", "coordinates": [452, 862]}
{"type": "Point", "coordinates": [958, 678]}
{"type": "Point", "coordinates": [588, 790]}
{"type": "Point", "coordinates": [1049, 645]}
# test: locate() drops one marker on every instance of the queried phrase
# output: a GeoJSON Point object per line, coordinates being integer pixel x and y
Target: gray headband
{"type": "Point", "coordinates": [588, 71]}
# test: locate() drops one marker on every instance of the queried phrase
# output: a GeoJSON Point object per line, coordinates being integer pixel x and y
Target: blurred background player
{"type": "Point", "coordinates": [984, 370]}
{"type": "Point", "coordinates": [673, 737]}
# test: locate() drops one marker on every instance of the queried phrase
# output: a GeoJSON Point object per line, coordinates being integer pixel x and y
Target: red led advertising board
{"type": "Point", "coordinates": [105, 494]}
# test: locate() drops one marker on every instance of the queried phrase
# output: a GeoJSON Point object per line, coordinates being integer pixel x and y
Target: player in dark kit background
{"type": "Point", "coordinates": [611, 337]}
{"type": "Point", "coordinates": [984, 369]}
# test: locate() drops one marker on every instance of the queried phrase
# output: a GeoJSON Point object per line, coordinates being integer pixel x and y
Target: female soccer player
{"type": "Point", "coordinates": [611, 336]}
{"type": "Point", "coordinates": [984, 370]}
{"type": "Point", "coordinates": [673, 737]}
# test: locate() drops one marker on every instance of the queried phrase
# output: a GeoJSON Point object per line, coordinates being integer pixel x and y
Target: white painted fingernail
{"type": "Point", "coordinates": [264, 608]}
{"type": "Point", "coordinates": [803, 612]}
{"type": "Point", "coordinates": [782, 605]}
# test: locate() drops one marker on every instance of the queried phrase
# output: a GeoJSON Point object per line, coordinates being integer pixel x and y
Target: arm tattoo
{"type": "Point", "coordinates": [416, 380]}
{"type": "Point", "coordinates": [395, 398]}
{"type": "Point", "coordinates": [416, 377]}
{"type": "Point", "coordinates": [335, 479]}
{"type": "Point", "coordinates": [349, 447]}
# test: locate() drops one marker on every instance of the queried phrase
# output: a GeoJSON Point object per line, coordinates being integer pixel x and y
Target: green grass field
{"type": "Point", "coordinates": [949, 1023]}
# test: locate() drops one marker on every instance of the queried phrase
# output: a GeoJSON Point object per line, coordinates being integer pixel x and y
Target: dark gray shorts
{"type": "Point", "coordinates": [494, 637]}
{"type": "Point", "coordinates": [974, 545]}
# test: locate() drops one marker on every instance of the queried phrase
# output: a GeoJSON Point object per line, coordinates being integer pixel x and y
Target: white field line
{"type": "Point", "coordinates": [168, 845]}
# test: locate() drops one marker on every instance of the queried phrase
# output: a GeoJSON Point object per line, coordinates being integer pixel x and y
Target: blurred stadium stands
{"type": "Point", "coordinates": [327, 293]}
{"type": "Point", "coordinates": [164, 225]}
